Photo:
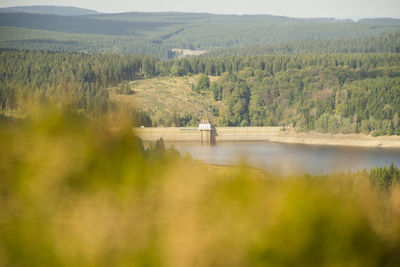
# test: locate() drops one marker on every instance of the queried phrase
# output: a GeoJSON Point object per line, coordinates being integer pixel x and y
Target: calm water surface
{"type": "Point", "coordinates": [290, 158]}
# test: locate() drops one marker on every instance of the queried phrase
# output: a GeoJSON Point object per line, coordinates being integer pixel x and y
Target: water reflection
{"type": "Point", "coordinates": [290, 158]}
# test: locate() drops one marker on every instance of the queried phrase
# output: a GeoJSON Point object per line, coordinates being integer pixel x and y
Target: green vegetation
{"type": "Point", "coordinates": [385, 177]}
{"type": "Point", "coordinates": [377, 44]}
{"type": "Point", "coordinates": [79, 81]}
{"type": "Point", "coordinates": [328, 93]}
{"type": "Point", "coordinates": [76, 24]}
{"type": "Point", "coordinates": [343, 93]}
{"type": "Point", "coordinates": [54, 10]}
{"type": "Point", "coordinates": [158, 33]}
{"type": "Point", "coordinates": [124, 89]}
{"type": "Point", "coordinates": [75, 194]}
{"type": "Point", "coordinates": [203, 83]}
{"type": "Point", "coordinates": [42, 40]}
{"type": "Point", "coordinates": [168, 101]}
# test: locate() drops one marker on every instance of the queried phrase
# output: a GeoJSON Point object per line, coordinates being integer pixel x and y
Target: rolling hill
{"type": "Point", "coordinates": [77, 24]}
{"type": "Point", "coordinates": [54, 10]}
{"type": "Point", "coordinates": [159, 33]}
{"type": "Point", "coordinates": [377, 44]}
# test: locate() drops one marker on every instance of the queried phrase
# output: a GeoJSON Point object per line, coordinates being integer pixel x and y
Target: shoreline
{"type": "Point", "coordinates": [348, 140]}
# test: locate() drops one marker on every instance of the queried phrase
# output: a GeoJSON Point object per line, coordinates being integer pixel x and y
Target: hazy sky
{"type": "Point", "coordinates": [293, 8]}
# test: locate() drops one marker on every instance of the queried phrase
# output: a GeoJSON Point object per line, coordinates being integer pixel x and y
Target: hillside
{"type": "Point", "coordinates": [54, 10]}
{"type": "Point", "coordinates": [159, 33]}
{"type": "Point", "coordinates": [76, 24]}
{"type": "Point", "coordinates": [377, 44]}
{"type": "Point", "coordinates": [168, 100]}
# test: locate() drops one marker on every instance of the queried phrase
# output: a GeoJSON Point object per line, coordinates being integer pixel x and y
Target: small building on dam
{"type": "Point", "coordinates": [205, 131]}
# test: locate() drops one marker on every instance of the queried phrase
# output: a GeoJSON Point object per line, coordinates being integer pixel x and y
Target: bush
{"type": "Point", "coordinates": [124, 89]}
{"type": "Point", "coordinates": [376, 133]}
{"type": "Point", "coordinates": [203, 82]}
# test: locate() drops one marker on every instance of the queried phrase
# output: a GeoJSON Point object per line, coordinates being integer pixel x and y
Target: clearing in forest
{"type": "Point", "coordinates": [162, 96]}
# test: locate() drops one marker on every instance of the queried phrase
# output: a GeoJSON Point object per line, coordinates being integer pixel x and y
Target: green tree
{"type": "Point", "coordinates": [203, 82]}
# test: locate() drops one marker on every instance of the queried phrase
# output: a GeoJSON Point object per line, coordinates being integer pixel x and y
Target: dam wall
{"type": "Point", "coordinates": [216, 134]}
{"type": "Point", "coordinates": [246, 133]}
{"type": "Point", "coordinates": [168, 133]}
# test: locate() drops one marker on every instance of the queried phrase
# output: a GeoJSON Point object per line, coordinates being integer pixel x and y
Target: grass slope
{"type": "Point", "coordinates": [165, 96]}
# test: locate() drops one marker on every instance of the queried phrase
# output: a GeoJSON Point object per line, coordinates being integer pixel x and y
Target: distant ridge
{"type": "Point", "coordinates": [53, 10]}
{"type": "Point", "coordinates": [381, 21]}
{"type": "Point", "coordinates": [159, 33]}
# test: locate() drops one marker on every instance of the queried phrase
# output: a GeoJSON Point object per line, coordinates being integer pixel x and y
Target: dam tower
{"type": "Point", "coordinates": [205, 131]}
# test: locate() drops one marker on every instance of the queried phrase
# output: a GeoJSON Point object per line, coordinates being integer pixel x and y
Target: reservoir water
{"type": "Point", "coordinates": [290, 158]}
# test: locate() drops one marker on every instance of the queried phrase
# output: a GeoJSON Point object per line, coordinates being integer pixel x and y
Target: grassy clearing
{"type": "Point", "coordinates": [165, 96]}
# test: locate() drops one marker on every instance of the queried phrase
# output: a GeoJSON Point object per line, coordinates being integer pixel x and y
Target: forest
{"type": "Point", "coordinates": [157, 33]}
{"type": "Point", "coordinates": [378, 44]}
{"type": "Point", "coordinates": [327, 93]}
{"type": "Point", "coordinates": [80, 81]}
{"type": "Point", "coordinates": [337, 93]}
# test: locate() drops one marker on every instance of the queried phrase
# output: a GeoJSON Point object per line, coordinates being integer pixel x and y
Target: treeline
{"type": "Point", "coordinates": [58, 42]}
{"type": "Point", "coordinates": [384, 177]}
{"type": "Point", "coordinates": [271, 64]}
{"type": "Point", "coordinates": [80, 80]}
{"type": "Point", "coordinates": [389, 43]}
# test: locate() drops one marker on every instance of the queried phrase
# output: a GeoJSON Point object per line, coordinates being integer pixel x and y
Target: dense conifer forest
{"type": "Point", "coordinates": [378, 44]}
{"type": "Point", "coordinates": [158, 33]}
{"type": "Point", "coordinates": [29, 79]}
{"type": "Point", "coordinates": [337, 93]}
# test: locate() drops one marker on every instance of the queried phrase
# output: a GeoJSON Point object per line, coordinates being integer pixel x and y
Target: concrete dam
{"type": "Point", "coordinates": [211, 135]}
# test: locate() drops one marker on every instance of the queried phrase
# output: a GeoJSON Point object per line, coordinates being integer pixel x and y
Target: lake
{"type": "Point", "coordinates": [290, 158]}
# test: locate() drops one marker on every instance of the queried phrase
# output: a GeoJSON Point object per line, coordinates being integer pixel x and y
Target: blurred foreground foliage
{"type": "Point", "coordinates": [73, 193]}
